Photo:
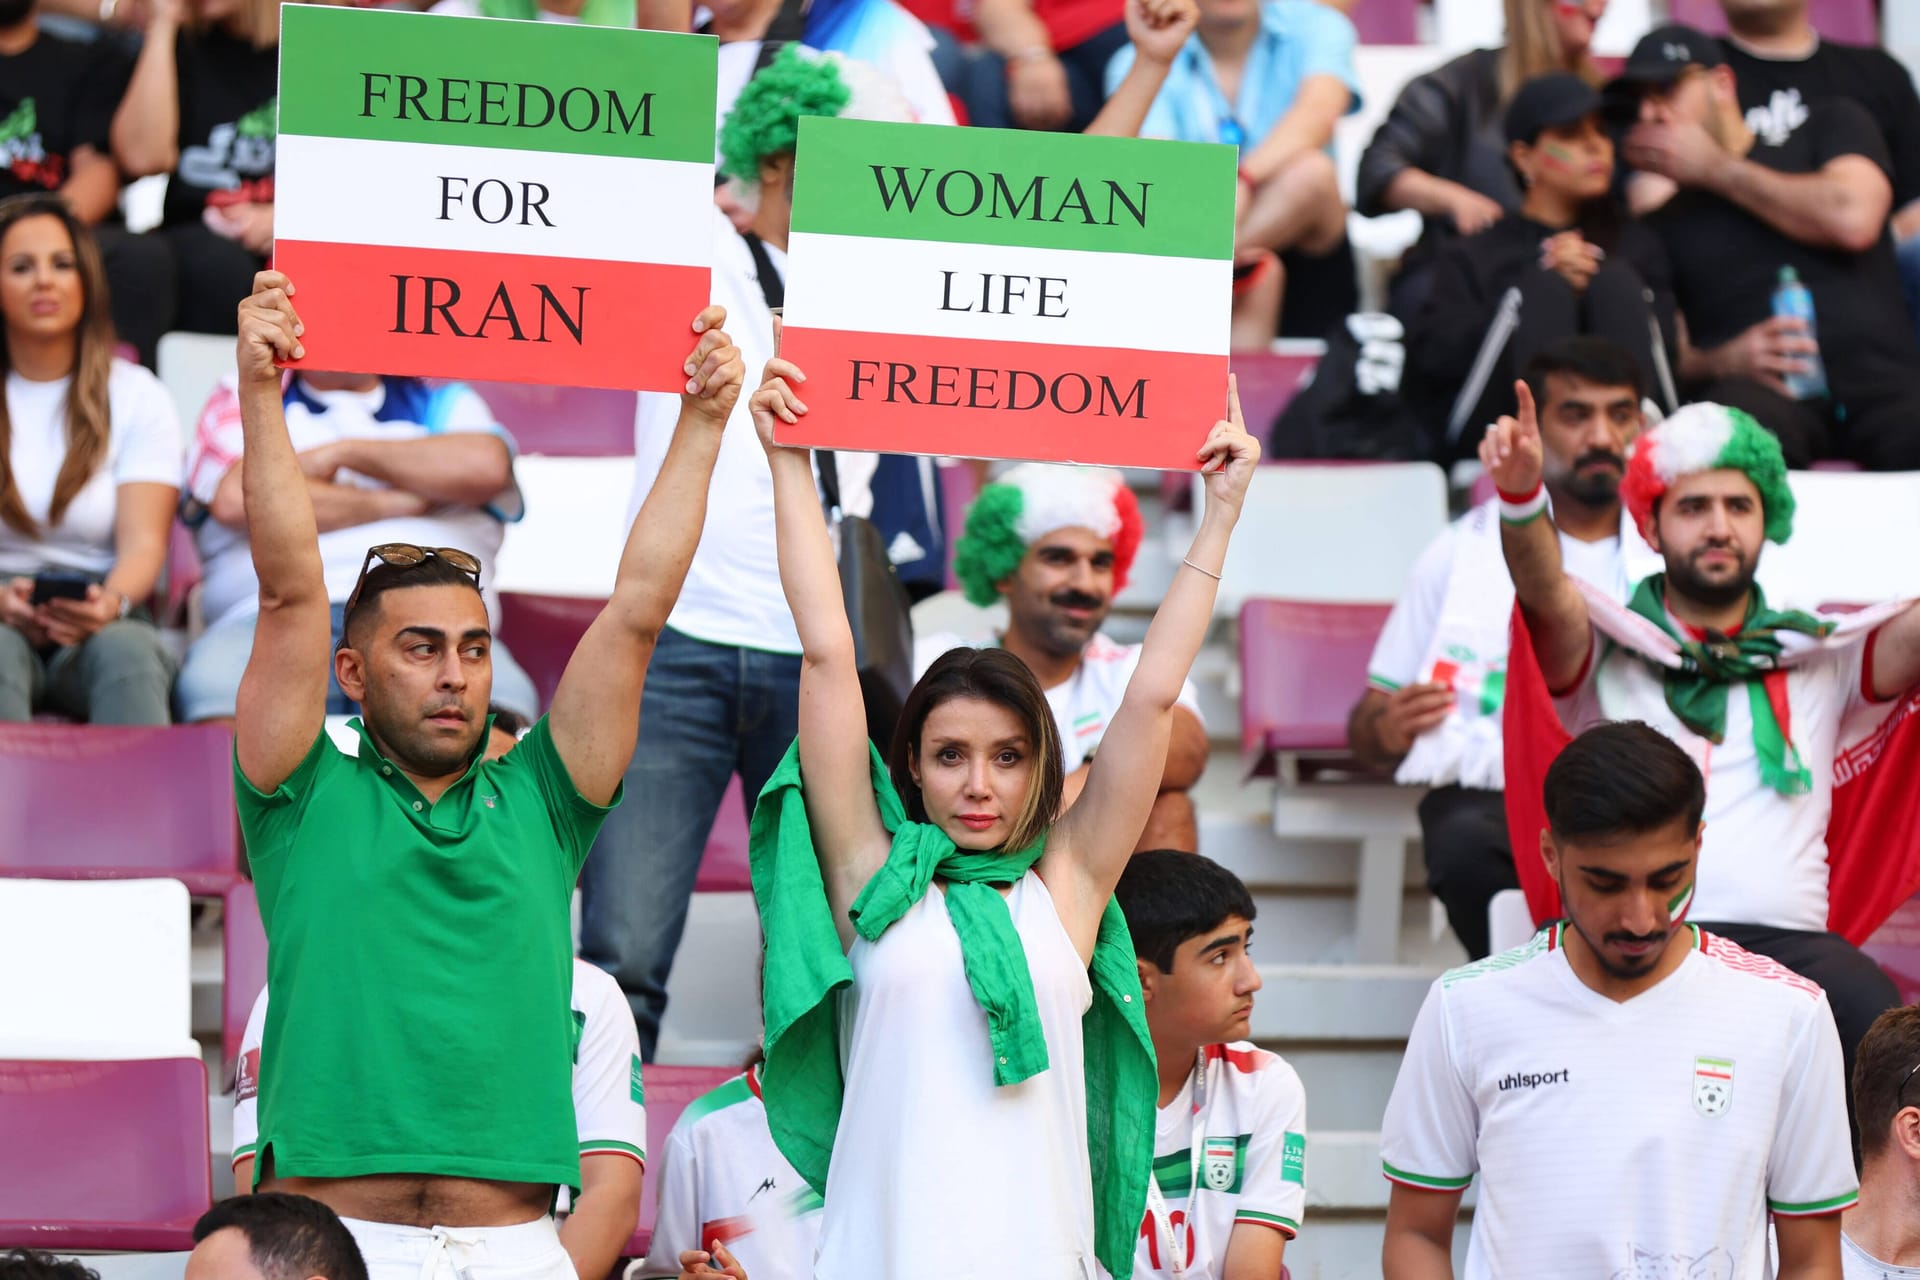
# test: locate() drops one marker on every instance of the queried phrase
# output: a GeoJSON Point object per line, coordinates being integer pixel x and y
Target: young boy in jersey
{"type": "Point", "coordinates": [1636, 1094]}
{"type": "Point", "coordinates": [730, 1204]}
{"type": "Point", "coordinates": [1229, 1153]}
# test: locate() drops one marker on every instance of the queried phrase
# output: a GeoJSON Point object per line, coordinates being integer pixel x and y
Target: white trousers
{"type": "Point", "coordinates": [529, 1251]}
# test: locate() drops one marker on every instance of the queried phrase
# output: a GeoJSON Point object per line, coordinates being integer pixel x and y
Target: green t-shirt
{"type": "Point", "coordinates": [420, 960]}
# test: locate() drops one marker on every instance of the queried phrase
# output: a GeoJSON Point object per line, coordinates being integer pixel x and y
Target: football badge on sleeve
{"type": "Point", "coordinates": [1712, 1085]}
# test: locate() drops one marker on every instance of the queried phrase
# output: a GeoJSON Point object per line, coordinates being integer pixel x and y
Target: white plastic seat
{"type": "Point", "coordinates": [1853, 539]}
{"type": "Point", "coordinates": [1336, 532]}
{"type": "Point", "coordinates": [191, 366]}
{"type": "Point", "coordinates": [569, 542]}
{"type": "Point", "coordinates": [95, 970]}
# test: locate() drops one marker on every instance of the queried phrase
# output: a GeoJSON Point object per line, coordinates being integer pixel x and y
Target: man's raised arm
{"type": "Point", "coordinates": [1555, 611]}
{"type": "Point", "coordinates": [283, 695]}
{"type": "Point", "coordinates": [595, 719]}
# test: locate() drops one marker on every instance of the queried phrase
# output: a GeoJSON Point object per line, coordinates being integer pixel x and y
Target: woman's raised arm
{"type": "Point", "coordinates": [834, 759]}
{"type": "Point", "coordinates": [1090, 845]}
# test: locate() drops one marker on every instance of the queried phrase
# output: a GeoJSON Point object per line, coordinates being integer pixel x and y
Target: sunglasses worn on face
{"type": "Point", "coordinates": [404, 555]}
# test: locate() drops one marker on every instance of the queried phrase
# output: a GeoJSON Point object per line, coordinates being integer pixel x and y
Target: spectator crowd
{"type": "Point", "coordinates": [994, 955]}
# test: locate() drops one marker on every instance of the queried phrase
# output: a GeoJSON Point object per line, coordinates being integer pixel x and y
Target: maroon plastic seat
{"type": "Point", "coordinates": [103, 1155]}
{"type": "Point", "coordinates": [959, 485]}
{"type": "Point", "coordinates": [1387, 21]}
{"type": "Point", "coordinates": [543, 631]}
{"type": "Point", "coordinates": [91, 802]}
{"type": "Point", "coordinates": [243, 972]}
{"type": "Point", "coordinates": [1302, 666]}
{"type": "Point", "coordinates": [567, 422]}
{"type": "Point", "coordinates": [670, 1090]}
{"type": "Point", "coordinates": [1267, 382]}
{"type": "Point", "coordinates": [1847, 21]}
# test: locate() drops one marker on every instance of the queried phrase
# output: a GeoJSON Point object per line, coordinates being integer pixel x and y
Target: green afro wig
{"type": "Point", "coordinates": [1035, 499]}
{"type": "Point", "coordinates": [765, 119]}
{"type": "Point", "coordinates": [1709, 437]}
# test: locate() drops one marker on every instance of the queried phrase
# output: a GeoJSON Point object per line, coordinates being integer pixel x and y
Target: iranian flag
{"type": "Point", "coordinates": [472, 197]}
{"type": "Point", "coordinates": [996, 293]}
{"type": "Point", "coordinates": [1873, 834]}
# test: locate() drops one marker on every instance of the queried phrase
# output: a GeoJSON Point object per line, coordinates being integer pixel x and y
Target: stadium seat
{"type": "Point", "coordinates": [569, 542]}
{"type": "Point", "coordinates": [243, 965]}
{"type": "Point", "coordinates": [118, 1154]}
{"type": "Point", "coordinates": [566, 422]}
{"type": "Point", "coordinates": [110, 968]}
{"type": "Point", "coordinates": [1387, 21]}
{"type": "Point", "coordinates": [1337, 532]}
{"type": "Point", "coordinates": [1302, 665]}
{"type": "Point", "coordinates": [89, 802]}
{"type": "Point", "coordinates": [190, 367]}
{"type": "Point", "coordinates": [1852, 540]}
{"type": "Point", "coordinates": [1509, 923]}
{"type": "Point", "coordinates": [1845, 21]}
{"type": "Point", "coordinates": [1269, 380]}
{"type": "Point", "coordinates": [542, 632]}
{"type": "Point", "coordinates": [670, 1090]}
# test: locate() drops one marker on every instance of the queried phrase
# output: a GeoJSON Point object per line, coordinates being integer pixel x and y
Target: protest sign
{"type": "Point", "coordinates": [992, 293]}
{"type": "Point", "coordinates": [482, 198]}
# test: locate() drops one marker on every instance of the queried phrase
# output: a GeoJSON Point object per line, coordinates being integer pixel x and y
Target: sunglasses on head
{"type": "Point", "coordinates": [404, 555]}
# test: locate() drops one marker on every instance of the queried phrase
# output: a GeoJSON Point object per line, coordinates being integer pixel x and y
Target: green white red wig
{"type": "Point", "coordinates": [1032, 500]}
{"type": "Point", "coordinates": [1709, 437]}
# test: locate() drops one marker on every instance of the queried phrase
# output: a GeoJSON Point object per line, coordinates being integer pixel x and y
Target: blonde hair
{"type": "Point", "coordinates": [89, 416]}
{"type": "Point", "coordinates": [1533, 49]}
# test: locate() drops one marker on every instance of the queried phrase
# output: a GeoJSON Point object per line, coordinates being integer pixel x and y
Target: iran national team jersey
{"type": "Point", "coordinates": [721, 1178]}
{"type": "Point", "coordinates": [609, 1105]}
{"type": "Point", "coordinates": [1656, 1133]}
{"type": "Point", "coordinates": [1252, 1132]}
{"type": "Point", "coordinates": [1084, 704]}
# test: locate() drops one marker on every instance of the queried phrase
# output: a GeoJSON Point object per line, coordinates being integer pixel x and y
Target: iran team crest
{"type": "Point", "coordinates": [1712, 1085]}
{"type": "Point", "coordinates": [1218, 1159]}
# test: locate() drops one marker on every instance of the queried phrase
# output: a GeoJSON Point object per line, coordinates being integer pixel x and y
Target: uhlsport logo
{"type": "Point", "coordinates": [1712, 1085]}
{"type": "Point", "coordinates": [1218, 1158]}
{"type": "Point", "coordinates": [1534, 1079]}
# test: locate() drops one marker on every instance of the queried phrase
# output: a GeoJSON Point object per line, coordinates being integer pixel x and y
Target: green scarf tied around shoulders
{"type": "Point", "coordinates": [805, 967]}
{"type": "Point", "coordinates": [1697, 691]}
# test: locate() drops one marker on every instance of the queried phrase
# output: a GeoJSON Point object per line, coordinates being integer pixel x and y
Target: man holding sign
{"type": "Point", "coordinates": [416, 895]}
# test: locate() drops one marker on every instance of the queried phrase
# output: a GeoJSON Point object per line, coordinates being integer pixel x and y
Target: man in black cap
{"type": "Point", "coordinates": [1564, 264]}
{"type": "Point", "coordinates": [1749, 213]}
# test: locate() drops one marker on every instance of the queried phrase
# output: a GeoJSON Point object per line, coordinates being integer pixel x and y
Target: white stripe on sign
{"type": "Point", "coordinates": [1007, 293]}
{"type": "Point", "coordinates": [413, 195]}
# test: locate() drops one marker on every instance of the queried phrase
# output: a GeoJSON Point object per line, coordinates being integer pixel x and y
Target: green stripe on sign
{"type": "Point", "coordinates": [481, 82]}
{"type": "Point", "coordinates": [1012, 187]}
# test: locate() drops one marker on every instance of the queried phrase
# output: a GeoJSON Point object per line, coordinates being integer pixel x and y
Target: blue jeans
{"type": "Point", "coordinates": [1907, 254]}
{"type": "Point", "coordinates": [709, 711]}
{"type": "Point", "coordinates": [209, 680]}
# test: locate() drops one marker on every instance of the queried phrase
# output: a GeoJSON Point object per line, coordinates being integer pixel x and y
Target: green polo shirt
{"type": "Point", "coordinates": [420, 959]}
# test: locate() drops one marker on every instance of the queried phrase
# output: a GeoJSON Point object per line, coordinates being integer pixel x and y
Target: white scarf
{"type": "Point", "coordinates": [1468, 651]}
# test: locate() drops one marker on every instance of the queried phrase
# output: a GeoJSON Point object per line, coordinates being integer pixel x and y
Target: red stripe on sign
{"type": "Point", "coordinates": [499, 317]}
{"type": "Point", "coordinates": [896, 393]}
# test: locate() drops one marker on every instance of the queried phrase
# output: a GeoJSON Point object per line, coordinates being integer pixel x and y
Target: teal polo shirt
{"type": "Point", "coordinates": [419, 956]}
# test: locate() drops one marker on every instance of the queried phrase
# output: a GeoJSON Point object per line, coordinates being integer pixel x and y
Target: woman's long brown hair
{"type": "Point", "coordinates": [1533, 49]}
{"type": "Point", "coordinates": [996, 676]}
{"type": "Point", "coordinates": [89, 420]}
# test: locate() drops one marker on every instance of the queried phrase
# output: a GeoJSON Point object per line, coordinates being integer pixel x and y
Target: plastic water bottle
{"type": "Point", "coordinates": [1793, 300]}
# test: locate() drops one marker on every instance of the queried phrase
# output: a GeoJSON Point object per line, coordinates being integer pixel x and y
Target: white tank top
{"type": "Point", "coordinates": [938, 1173]}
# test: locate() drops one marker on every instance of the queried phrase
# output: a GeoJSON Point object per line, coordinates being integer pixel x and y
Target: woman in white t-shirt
{"type": "Point", "coordinates": [89, 474]}
{"type": "Point", "coordinates": [943, 956]}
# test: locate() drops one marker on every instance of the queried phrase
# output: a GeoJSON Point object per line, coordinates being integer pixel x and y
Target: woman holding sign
{"type": "Point", "coordinates": [941, 953]}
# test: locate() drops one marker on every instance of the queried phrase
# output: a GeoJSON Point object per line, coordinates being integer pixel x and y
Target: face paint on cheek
{"type": "Point", "coordinates": [1556, 156]}
{"type": "Point", "coordinates": [1677, 905]}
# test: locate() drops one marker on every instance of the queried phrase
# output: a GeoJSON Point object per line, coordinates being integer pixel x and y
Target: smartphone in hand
{"type": "Point", "coordinates": [60, 584]}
